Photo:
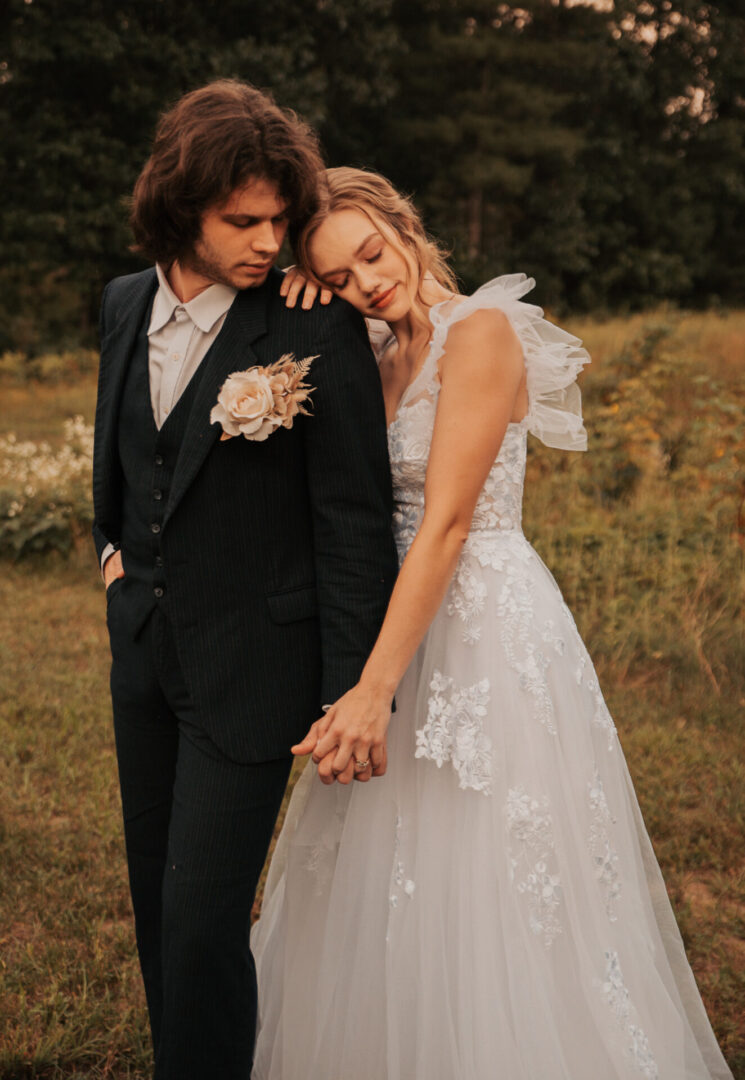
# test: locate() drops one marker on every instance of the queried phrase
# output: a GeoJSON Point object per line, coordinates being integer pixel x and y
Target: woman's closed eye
{"type": "Point", "coordinates": [336, 286]}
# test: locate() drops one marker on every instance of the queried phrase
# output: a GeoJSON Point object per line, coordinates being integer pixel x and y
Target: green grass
{"type": "Point", "coordinates": [39, 412]}
{"type": "Point", "coordinates": [653, 569]}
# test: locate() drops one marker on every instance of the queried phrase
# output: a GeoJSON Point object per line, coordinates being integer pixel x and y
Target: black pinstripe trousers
{"type": "Point", "coordinates": [197, 828]}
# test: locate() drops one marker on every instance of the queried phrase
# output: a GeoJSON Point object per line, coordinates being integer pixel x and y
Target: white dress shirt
{"type": "Point", "coordinates": [179, 337]}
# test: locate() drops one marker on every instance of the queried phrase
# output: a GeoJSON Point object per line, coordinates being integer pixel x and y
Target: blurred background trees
{"type": "Point", "coordinates": [599, 147]}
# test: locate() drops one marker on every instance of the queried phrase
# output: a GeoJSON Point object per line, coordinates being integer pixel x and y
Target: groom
{"type": "Point", "coordinates": [245, 580]}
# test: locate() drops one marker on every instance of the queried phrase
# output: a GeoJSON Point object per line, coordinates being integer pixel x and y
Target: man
{"type": "Point", "coordinates": [246, 580]}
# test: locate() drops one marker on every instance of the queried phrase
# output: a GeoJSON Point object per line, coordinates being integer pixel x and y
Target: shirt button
{"type": "Point", "coordinates": [158, 459]}
{"type": "Point", "coordinates": [158, 494]}
{"type": "Point", "coordinates": [159, 591]}
{"type": "Point", "coordinates": [155, 527]}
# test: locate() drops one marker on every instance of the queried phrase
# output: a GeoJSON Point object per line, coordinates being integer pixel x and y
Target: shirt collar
{"type": "Point", "coordinates": [204, 310]}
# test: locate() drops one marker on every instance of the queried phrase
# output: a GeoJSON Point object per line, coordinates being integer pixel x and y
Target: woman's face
{"type": "Point", "coordinates": [363, 263]}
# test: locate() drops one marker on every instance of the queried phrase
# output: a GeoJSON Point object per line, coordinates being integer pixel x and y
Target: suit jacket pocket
{"type": "Point", "coordinates": [113, 588]}
{"type": "Point", "coordinates": [293, 604]}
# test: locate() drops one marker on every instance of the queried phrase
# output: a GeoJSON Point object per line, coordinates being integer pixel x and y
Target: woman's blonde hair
{"type": "Point", "coordinates": [358, 189]}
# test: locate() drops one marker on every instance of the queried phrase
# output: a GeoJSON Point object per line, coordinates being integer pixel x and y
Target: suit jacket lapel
{"type": "Point", "coordinates": [116, 353]}
{"type": "Point", "coordinates": [231, 351]}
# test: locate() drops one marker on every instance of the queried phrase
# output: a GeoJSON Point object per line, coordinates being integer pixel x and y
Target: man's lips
{"type": "Point", "coordinates": [257, 268]}
{"type": "Point", "coordinates": [384, 299]}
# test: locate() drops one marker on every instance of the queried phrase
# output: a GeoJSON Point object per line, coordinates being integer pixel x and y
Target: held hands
{"type": "Point", "coordinates": [349, 742]}
{"type": "Point", "coordinates": [113, 568]}
{"type": "Point", "coordinates": [295, 282]}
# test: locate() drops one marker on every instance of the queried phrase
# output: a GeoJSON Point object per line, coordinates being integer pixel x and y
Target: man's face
{"type": "Point", "coordinates": [241, 238]}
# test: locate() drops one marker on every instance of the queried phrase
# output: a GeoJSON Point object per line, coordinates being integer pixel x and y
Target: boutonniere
{"type": "Point", "coordinates": [254, 403]}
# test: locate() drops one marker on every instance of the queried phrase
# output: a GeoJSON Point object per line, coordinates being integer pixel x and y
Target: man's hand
{"type": "Point", "coordinates": [113, 568]}
{"type": "Point", "coordinates": [351, 733]}
{"type": "Point", "coordinates": [295, 282]}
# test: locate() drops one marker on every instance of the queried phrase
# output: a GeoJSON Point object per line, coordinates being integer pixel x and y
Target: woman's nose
{"type": "Point", "coordinates": [367, 280]}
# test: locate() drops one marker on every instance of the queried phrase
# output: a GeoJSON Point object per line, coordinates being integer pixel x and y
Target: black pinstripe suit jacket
{"type": "Point", "coordinates": [279, 558]}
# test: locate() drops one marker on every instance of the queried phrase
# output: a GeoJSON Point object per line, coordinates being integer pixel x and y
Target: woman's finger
{"type": "Point", "coordinates": [363, 761]}
{"type": "Point", "coordinates": [294, 289]}
{"type": "Point", "coordinates": [310, 294]}
{"type": "Point", "coordinates": [379, 760]}
{"type": "Point", "coordinates": [326, 768]}
{"type": "Point", "coordinates": [326, 296]}
{"type": "Point", "coordinates": [289, 275]}
{"type": "Point", "coordinates": [328, 742]}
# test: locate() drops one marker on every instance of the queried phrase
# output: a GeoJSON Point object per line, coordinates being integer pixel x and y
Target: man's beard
{"type": "Point", "coordinates": [207, 266]}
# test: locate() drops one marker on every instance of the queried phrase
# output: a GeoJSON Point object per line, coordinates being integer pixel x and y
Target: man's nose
{"type": "Point", "coordinates": [265, 240]}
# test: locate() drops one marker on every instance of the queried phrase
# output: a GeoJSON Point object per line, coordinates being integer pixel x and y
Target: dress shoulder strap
{"type": "Point", "coordinates": [553, 357]}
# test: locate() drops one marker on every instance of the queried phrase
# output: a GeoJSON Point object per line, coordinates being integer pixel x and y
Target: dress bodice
{"type": "Point", "coordinates": [499, 505]}
{"type": "Point", "coordinates": [553, 360]}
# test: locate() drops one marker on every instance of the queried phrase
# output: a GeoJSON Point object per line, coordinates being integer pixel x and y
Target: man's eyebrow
{"type": "Point", "coordinates": [330, 273]}
{"type": "Point", "coordinates": [251, 217]}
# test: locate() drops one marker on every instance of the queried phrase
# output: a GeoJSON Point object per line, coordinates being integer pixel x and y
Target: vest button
{"type": "Point", "coordinates": [159, 591]}
{"type": "Point", "coordinates": [155, 527]}
{"type": "Point", "coordinates": [158, 494]}
{"type": "Point", "coordinates": [158, 561]}
{"type": "Point", "coordinates": [158, 459]}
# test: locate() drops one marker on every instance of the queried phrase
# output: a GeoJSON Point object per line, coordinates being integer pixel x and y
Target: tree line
{"type": "Point", "coordinates": [597, 146]}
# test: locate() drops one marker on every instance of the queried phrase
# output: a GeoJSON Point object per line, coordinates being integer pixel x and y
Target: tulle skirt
{"type": "Point", "coordinates": [492, 907]}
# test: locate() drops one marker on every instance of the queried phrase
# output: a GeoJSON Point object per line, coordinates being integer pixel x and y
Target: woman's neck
{"type": "Point", "coordinates": [414, 327]}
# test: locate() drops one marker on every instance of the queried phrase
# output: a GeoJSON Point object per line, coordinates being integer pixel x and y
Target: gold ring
{"type": "Point", "coordinates": [360, 765]}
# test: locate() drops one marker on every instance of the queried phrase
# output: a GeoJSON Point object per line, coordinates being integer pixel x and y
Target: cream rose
{"type": "Point", "coordinates": [245, 406]}
{"type": "Point", "coordinates": [256, 402]}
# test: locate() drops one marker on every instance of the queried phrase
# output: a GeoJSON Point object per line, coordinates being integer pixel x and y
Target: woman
{"type": "Point", "coordinates": [490, 907]}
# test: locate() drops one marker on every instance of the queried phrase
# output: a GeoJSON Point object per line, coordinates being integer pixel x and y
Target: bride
{"type": "Point", "coordinates": [490, 906]}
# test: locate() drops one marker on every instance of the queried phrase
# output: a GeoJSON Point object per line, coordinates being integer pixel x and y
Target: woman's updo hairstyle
{"type": "Point", "coordinates": [358, 189]}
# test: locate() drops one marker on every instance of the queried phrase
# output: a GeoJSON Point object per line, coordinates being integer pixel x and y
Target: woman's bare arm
{"type": "Point", "coordinates": [482, 376]}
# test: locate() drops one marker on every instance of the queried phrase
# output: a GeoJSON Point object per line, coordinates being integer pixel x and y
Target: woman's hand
{"type": "Point", "coordinates": [295, 282]}
{"type": "Point", "coordinates": [353, 731]}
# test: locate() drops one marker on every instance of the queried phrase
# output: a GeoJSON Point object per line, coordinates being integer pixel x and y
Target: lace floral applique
{"type": "Point", "coordinates": [515, 610]}
{"type": "Point", "coordinates": [454, 731]}
{"type": "Point", "coordinates": [399, 882]}
{"type": "Point", "coordinates": [531, 852]}
{"type": "Point", "coordinates": [499, 504]}
{"type": "Point", "coordinates": [321, 858]}
{"type": "Point", "coordinates": [467, 599]}
{"type": "Point", "coordinates": [617, 996]}
{"type": "Point", "coordinates": [604, 856]}
{"type": "Point", "coordinates": [601, 715]}
{"type": "Point", "coordinates": [552, 638]}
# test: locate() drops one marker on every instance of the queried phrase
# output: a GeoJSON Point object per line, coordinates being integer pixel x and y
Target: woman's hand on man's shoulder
{"type": "Point", "coordinates": [296, 283]}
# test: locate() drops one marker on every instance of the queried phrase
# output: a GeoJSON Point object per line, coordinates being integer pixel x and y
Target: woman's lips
{"type": "Point", "coordinates": [384, 299]}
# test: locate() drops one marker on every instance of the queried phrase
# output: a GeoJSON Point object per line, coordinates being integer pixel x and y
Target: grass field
{"type": "Point", "coordinates": [644, 535]}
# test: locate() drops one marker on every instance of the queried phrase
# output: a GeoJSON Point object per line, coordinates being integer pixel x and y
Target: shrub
{"type": "Point", "coordinates": [67, 366]}
{"type": "Point", "coordinates": [45, 494]}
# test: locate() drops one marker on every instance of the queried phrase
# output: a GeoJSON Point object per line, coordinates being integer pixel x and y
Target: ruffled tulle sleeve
{"type": "Point", "coordinates": [553, 359]}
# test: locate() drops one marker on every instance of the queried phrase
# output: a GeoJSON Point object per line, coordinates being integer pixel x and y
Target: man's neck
{"type": "Point", "coordinates": [186, 283]}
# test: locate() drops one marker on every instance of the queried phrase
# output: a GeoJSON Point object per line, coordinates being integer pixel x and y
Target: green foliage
{"type": "Point", "coordinates": [602, 152]}
{"type": "Point", "coordinates": [50, 368]}
{"type": "Point", "coordinates": [45, 494]}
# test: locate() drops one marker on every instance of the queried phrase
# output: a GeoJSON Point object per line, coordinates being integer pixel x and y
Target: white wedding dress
{"type": "Point", "coordinates": [492, 908]}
